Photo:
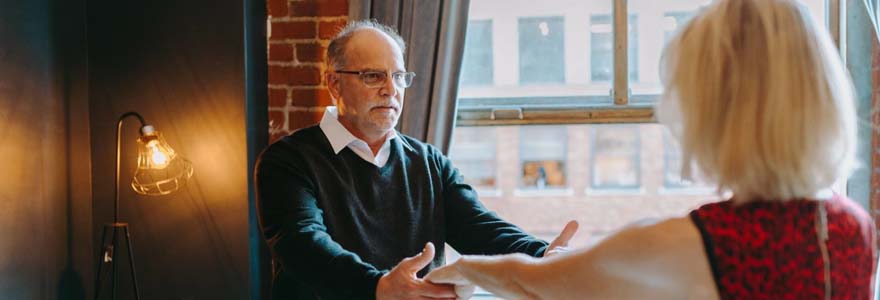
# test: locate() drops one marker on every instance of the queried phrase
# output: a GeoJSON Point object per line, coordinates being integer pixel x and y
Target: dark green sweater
{"type": "Point", "coordinates": [336, 223]}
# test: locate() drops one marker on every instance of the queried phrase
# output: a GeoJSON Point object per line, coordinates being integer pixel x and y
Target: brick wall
{"type": "Point", "coordinates": [299, 33]}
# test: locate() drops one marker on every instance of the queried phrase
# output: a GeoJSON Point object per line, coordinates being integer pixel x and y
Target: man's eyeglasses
{"type": "Point", "coordinates": [375, 79]}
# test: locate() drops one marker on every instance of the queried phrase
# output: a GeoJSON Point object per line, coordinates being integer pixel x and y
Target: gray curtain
{"type": "Point", "coordinates": [434, 32]}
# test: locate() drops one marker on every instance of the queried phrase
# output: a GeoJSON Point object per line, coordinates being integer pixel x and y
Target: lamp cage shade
{"type": "Point", "coordinates": [160, 171]}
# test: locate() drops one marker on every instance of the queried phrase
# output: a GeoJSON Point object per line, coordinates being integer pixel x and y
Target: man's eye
{"type": "Point", "coordinates": [373, 76]}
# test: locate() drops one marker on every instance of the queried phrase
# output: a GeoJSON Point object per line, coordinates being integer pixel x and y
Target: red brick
{"type": "Point", "coordinates": [281, 52]}
{"type": "Point", "coordinates": [310, 97]}
{"type": "Point", "coordinates": [319, 8]}
{"type": "Point", "coordinates": [284, 75]}
{"type": "Point", "coordinates": [277, 98]}
{"type": "Point", "coordinates": [276, 120]}
{"type": "Point", "coordinates": [293, 30]}
{"type": "Point", "coordinates": [328, 29]}
{"type": "Point", "coordinates": [309, 52]}
{"type": "Point", "coordinates": [277, 8]}
{"type": "Point", "coordinates": [300, 119]}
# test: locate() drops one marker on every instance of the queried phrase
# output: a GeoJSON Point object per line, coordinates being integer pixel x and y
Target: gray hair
{"type": "Point", "coordinates": [336, 49]}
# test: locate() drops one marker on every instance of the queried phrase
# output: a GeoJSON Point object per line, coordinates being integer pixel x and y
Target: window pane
{"type": "Point", "coordinates": [541, 50]}
{"type": "Point", "coordinates": [615, 159]}
{"type": "Point", "coordinates": [540, 54]}
{"type": "Point", "coordinates": [657, 22]}
{"type": "Point", "coordinates": [543, 156]}
{"type": "Point", "coordinates": [602, 48]}
{"type": "Point", "coordinates": [477, 62]}
{"type": "Point", "coordinates": [473, 153]}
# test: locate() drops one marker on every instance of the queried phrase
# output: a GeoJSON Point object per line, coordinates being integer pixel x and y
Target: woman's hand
{"type": "Point", "coordinates": [449, 274]}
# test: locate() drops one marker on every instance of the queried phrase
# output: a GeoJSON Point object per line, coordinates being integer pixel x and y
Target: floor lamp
{"type": "Point", "coordinates": [160, 171]}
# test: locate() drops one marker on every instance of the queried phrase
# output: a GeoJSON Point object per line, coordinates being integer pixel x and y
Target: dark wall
{"type": "Point", "coordinates": [44, 182]}
{"type": "Point", "coordinates": [181, 65]}
{"type": "Point", "coordinates": [68, 70]}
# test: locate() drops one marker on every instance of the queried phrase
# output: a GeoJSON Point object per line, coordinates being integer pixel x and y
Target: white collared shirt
{"type": "Point", "coordinates": [340, 138]}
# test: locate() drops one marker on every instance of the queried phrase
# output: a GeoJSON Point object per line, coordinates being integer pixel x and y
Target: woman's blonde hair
{"type": "Point", "coordinates": [759, 99]}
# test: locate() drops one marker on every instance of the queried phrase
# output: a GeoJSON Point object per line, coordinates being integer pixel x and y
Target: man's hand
{"type": "Point", "coordinates": [560, 243]}
{"type": "Point", "coordinates": [403, 284]}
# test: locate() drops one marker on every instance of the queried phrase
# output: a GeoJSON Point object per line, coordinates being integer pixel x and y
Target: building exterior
{"type": "Point", "coordinates": [603, 175]}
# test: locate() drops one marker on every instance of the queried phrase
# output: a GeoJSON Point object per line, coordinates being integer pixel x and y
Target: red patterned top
{"type": "Point", "coordinates": [771, 250]}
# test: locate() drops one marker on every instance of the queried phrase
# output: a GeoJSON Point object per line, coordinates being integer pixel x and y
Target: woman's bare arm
{"type": "Point", "coordinates": [656, 261]}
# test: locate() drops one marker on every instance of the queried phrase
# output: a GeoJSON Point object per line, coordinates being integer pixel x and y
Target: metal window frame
{"type": "Point", "coordinates": [621, 110]}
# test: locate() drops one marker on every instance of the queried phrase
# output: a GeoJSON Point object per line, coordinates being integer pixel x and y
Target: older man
{"type": "Point", "coordinates": [351, 209]}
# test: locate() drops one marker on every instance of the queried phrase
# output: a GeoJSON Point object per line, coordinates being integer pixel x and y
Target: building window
{"type": "Point", "coordinates": [602, 48]}
{"type": "Point", "coordinates": [615, 157]}
{"type": "Point", "coordinates": [473, 153]}
{"type": "Point", "coordinates": [477, 64]}
{"type": "Point", "coordinates": [541, 50]}
{"type": "Point", "coordinates": [543, 156]}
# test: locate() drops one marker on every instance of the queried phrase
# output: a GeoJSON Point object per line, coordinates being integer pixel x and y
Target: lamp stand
{"type": "Point", "coordinates": [109, 256]}
{"type": "Point", "coordinates": [108, 251]}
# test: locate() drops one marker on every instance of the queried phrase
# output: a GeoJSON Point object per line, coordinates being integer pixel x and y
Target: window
{"type": "Point", "coordinates": [552, 129]}
{"type": "Point", "coordinates": [477, 65]}
{"type": "Point", "coordinates": [602, 48]}
{"type": "Point", "coordinates": [541, 50]}
{"type": "Point", "coordinates": [473, 153]}
{"type": "Point", "coordinates": [542, 155]}
{"type": "Point", "coordinates": [615, 160]}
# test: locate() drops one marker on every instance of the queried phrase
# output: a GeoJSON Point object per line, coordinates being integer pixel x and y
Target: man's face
{"type": "Point", "coordinates": [369, 112]}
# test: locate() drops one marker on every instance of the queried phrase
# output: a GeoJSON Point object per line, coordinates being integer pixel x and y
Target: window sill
{"type": "Point", "coordinates": [688, 191]}
{"type": "Point", "coordinates": [547, 192]}
{"type": "Point", "coordinates": [633, 191]}
{"type": "Point", "coordinates": [489, 192]}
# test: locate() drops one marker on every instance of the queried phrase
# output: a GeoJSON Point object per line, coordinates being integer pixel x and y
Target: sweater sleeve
{"type": "Point", "coordinates": [293, 226]}
{"type": "Point", "coordinates": [471, 227]}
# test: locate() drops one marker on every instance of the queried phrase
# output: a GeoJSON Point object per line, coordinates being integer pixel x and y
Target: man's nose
{"type": "Point", "coordinates": [388, 88]}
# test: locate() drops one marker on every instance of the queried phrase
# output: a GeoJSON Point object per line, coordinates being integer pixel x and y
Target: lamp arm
{"type": "Point", "coordinates": [118, 158]}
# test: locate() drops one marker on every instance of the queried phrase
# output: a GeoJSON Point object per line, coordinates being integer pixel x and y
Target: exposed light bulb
{"type": "Point", "coordinates": [158, 157]}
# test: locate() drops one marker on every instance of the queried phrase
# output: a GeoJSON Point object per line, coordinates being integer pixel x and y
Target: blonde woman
{"type": "Point", "coordinates": [760, 101]}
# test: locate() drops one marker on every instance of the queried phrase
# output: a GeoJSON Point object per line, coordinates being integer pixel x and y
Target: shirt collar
{"type": "Point", "coordinates": [339, 136]}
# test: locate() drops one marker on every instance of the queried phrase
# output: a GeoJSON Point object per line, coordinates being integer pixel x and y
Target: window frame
{"type": "Point", "coordinates": [623, 109]}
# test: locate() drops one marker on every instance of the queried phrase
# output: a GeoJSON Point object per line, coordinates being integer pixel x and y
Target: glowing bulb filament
{"type": "Point", "coordinates": [159, 158]}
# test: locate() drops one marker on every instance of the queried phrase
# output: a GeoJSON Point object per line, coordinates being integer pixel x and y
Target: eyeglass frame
{"type": "Point", "coordinates": [385, 74]}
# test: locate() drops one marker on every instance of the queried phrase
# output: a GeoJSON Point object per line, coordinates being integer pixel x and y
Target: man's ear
{"type": "Point", "coordinates": [332, 85]}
